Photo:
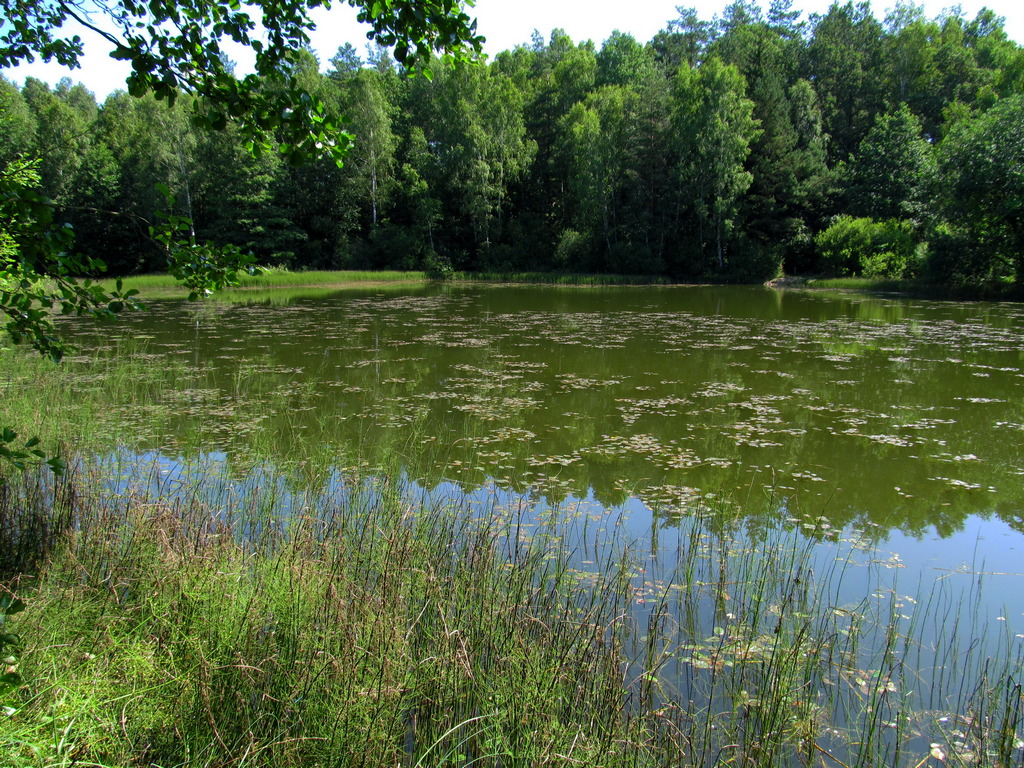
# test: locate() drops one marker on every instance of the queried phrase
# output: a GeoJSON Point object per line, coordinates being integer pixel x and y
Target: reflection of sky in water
{"type": "Point", "coordinates": [983, 563]}
{"type": "Point", "coordinates": [978, 570]}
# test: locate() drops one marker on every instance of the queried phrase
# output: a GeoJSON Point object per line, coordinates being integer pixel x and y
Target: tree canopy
{"type": "Point", "coordinates": [718, 150]}
{"type": "Point", "coordinates": [176, 46]}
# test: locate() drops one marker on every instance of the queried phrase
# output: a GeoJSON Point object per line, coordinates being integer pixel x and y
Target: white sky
{"type": "Point", "coordinates": [505, 24]}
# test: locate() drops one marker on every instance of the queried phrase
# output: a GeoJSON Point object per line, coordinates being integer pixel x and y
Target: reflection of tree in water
{"type": "Point", "coordinates": [875, 414]}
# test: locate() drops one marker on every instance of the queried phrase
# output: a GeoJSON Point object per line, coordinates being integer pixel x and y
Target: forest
{"type": "Point", "coordinates": [734, 149]}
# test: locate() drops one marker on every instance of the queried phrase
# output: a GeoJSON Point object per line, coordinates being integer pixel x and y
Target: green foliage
{"type": "Point", "coordinates": [982, 167]}
{"type": "Point", "coordinates": [175, 47]}
{"type": "Point", "coordinates": [10, 650]}
{"type": "Point", "coordinates": [844, 56]}
{"type": "Point", "coordinates": [201, 268]}
{"type": "Point", "coordinates": [20, 453]}
{"type": "Point", "coordinates": [18, 121]}
{"type": "Point", "coordinates": [624, 61]}
{"type": "Point", "coordinates": [861, 246]}
{"type": "Point", "coordinates": [37, 268]}
{"type": "Point", "coordinates": [960, 256]}
{"type": "Point", "coordinates": [438, 267]}
{"type": "Point", "coordinates": [572, 251]}
{"type": "Point", "coordinates": [893, 172]}
{"type": "Point", "coordinates": [714, 129]}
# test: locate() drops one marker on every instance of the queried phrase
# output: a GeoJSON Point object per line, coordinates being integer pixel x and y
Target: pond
{"type": "Point", "coordinates": [883, 432]}
{"type": "Point", "coordinates": [901, 416]}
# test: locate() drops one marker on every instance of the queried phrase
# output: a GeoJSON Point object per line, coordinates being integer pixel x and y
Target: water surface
{"type": "Point", "coordinates": [885, 413]}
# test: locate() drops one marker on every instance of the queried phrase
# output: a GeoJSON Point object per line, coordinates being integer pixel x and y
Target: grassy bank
{"type": "Point", "coordinates": [164, 286]}
{"type": "Point", "coordinates": [354, 633]}
{"type": "Point", "coordinates": [366, 624]}
{"type": "Point", "coordinates": [158, 286]}
{"type": "Point", "coordinates": [860, 284]}
{"type": "Point", "coordinates": [558, 278]}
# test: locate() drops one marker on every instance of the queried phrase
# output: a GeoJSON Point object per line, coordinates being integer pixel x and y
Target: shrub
{"type": "Point", "coordinates": [861, 246]}
{"type": "Point", "coordinates": [573, 250]}
{"type": "Point", "coordinates": [438, 266]}
{"type": "Point", "coordinates": [841, 246]}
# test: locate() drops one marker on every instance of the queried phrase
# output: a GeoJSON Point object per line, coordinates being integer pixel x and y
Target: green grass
{"type": "Point", "coordinates": [156, 286]}
{"type": "Point", "coordinates": [163, 285]}
{"type": "Point", "coordinates": [342, 634]}
{"type": "Point", "coordinates": [80, 402]}
{"type": "Point", "coordinates": [860, 283]}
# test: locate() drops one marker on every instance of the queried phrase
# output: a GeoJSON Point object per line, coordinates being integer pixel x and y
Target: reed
{"type": "Point", "coordinates": [185, 617]}
{"type": "Point", "coordinates": [996, 290]}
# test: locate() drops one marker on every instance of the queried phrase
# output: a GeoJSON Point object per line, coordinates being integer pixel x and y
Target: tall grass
{"type": "Point", "coordinates": [362, 631]}
{"type": "Point", "coordinates": [990, 291]}
{"type": "Point", "coordinates": [81, 402]}
{"type": "Point", "coordinates": [177, 617]}
{"type": "Point", "coordinates": [163, 285]}
{"type": "Point", "coordinates": [862, 284]}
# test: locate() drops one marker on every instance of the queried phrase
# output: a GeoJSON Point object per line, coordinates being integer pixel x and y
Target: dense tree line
{"type": "Point", "coordinates": [724, 149]}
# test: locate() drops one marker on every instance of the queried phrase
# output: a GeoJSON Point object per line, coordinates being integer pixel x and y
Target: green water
{"type": "Point", "coordinates": [887, 414]}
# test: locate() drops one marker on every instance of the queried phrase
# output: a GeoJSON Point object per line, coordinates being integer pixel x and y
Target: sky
{"type": "Point", "coordinates": [505, 24]}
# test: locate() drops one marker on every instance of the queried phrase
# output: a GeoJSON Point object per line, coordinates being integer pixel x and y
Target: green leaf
{"type": "Point", "coordinates": [12, 605]}
{"type": "Point", "coordinates": [9, 681]}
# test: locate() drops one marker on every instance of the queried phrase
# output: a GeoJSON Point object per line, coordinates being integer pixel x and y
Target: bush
{"type": "Point", "coordinates": [958, 257]}
{"type": "Point", "coordinates": [841, 246]}
{"type": "Point", "coordinates": [438, 266]}
{"type": "Point", "coordinates": [573, 251]}
{"type": "Point", "coordinates": [860, 246]}
{"type": "Point", "coordinates": [894, 251]}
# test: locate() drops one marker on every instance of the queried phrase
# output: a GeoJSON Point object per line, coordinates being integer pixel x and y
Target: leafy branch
{"type": "Point", "coordinates": [39, 276]}
{"type": "Point", "coordinates": [202, 268]}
